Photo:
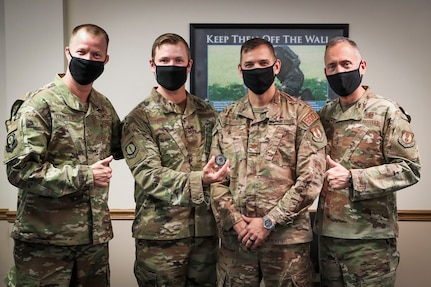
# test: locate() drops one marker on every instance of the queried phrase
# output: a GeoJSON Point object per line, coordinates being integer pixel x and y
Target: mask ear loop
{"type": "Point", "coordinates": [360, 65]}
{"type": "Point", "coordinates": [359, 69]}
{"type": "Point", "coordinates": [276, 60]}
{"type": "Point", "coordinates": [70, 54]}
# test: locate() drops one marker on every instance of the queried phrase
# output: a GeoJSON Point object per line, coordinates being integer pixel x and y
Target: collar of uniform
{"type": "Point", "coordinates": [355, 112]}
{"type": "Point", "coordinates": [245, 109]}
{"type": "Point", "coordinates": [70, 99]}
{"type": "Point", "coordinates": [169, 107]}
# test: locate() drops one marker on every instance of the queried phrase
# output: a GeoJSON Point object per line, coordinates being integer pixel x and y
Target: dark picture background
{"type": "Point", "coordinates": [300, 47]}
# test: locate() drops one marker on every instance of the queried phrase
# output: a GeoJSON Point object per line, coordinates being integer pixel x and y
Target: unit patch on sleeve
{"type": "Point", "coordinates": [317, 134]}
{"type": "Point", "coordinates": [11, 142]}
{"type": "Point", "coordinates": [406, 139]}
{"type": "Point", "coordinates": [131, 150]}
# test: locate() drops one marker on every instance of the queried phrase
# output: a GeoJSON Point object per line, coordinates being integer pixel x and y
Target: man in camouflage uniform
{"type": "Point", "coordinates": [276, 147]}
{"type": "Point", "coordinates": [60, 142]}
{"type": "Point", "coordinates": [372, 153]}
{"type": "Point", "coordinates": [166, 142]}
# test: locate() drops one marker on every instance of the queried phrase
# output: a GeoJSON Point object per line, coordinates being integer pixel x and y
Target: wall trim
{"type": "Point", "coordinates": [3, 213]}
{"type": "Point", "coordinates": [129, 214]}
{"type": "Point", "coordinates": [414, 215]}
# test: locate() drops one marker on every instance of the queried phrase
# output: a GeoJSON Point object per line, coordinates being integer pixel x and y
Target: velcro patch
{"type": "Point", "coordinates": [131, 150]}
{"type": "Point", "coordinates": [11, 142]}
{"type": "Point", "coordinates": [406, 139]}
{"type": "Point", "coordinates": [317, 134]}
{"type": "Point", "coordinates": [310, 118]}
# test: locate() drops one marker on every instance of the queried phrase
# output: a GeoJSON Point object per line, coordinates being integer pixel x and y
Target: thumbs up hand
{"type": "Point", "coordinates": [102, 173]}
{"type": "Point", "coordinates": [337, 175]}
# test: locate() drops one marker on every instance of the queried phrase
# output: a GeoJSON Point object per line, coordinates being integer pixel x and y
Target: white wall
{"type": "Point", "coordinates": [393, 36]}
{"type": "Point", "coordinates": [32, 46]}
{"type": "Point", "coordinates": [3, 106]}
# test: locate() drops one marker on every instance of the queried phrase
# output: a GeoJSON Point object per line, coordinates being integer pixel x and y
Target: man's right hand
{"type": "Point", "coordinates": [214, 173]}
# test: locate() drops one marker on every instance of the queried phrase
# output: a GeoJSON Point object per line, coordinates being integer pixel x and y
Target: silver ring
{"type": "Point", "coordinates": [252, 240]}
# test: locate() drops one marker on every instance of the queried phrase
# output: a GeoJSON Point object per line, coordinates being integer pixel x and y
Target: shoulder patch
{"type": "Point", "coordinates": [317, 134]}
{"type": "Point", "coordinates": [131, 150]}
{"type": "Point", "coordinates": [11, 142]}
{"type": "Point", "coordinates": [310, 118]}
{"type": "Point", "coordinates": [406, 139]}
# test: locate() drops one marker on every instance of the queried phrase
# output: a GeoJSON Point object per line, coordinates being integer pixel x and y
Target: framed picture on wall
{"type": "Point", "coordinates": [215, 50]}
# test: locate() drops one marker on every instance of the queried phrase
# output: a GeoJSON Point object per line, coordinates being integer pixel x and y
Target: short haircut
{"type": "Point", "coordinates": [341, 39]}
{"type": "Point", "coordinates": [169, 38]}
{"type": "Point", "coordinates": [254, 43]}
{"type": "Point", "coordinates": [93, 30]}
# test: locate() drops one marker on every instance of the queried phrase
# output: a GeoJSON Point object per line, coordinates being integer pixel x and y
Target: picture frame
{"type": "Point", "coordinates": [215, 50]}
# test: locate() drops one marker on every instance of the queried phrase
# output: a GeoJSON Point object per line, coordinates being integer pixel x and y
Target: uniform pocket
{"type": "Point", "coordinates": [15, 279]}
{"type": "Point", "coordinates": [145, 277]}
{"type": "Point", "coordinates": [304, 278]}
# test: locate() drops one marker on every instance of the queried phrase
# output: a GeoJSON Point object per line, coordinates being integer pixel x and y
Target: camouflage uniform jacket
{"type": "Point", "coordinates": [166, 150]}
{"type": "Point", "coordinates": [374, 140]}
{"type": "Point", "coordinates": [52, 141]}
{"type": "Point", "coordinates": [277, 165]}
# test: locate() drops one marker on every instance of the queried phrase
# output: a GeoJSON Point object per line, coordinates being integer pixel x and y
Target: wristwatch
{"type": "Point", "coordinates": [267, 223]}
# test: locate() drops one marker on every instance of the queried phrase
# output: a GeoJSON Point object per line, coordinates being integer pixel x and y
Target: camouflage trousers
{"type": "Point", "coordinates": [59, 266]}
{"type": "Point", "coordinates": [275, 265]}
{"type": "Point", "coordinates": [184, 262]}
{"type": "Point", "coordinates": [357, 262]}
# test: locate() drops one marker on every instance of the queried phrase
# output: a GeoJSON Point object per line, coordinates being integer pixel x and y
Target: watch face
{"type": "Point", "coordinates": [268, 224]}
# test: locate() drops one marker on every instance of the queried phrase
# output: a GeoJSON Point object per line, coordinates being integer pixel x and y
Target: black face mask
{"type": "Point", "coordinates": [258, 80]}
{"type": "Point", "coordinates": [85, 71]}
{"type": "Point", "coordinates": [171, 77]}
{"type": "Point", "coordinates": [345, 83]}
